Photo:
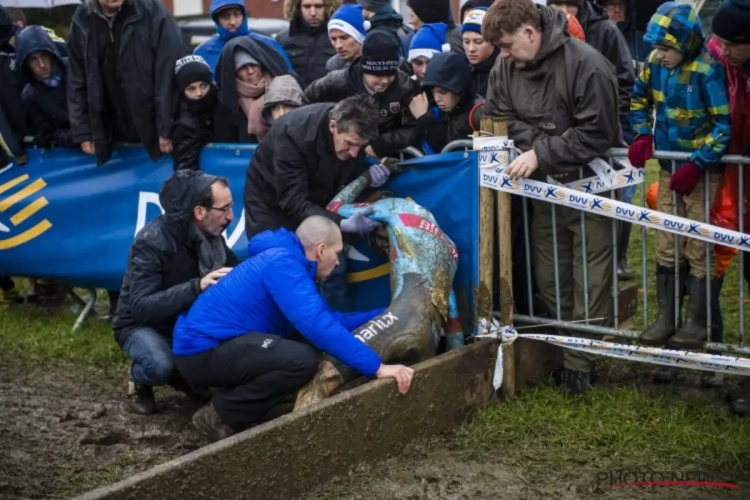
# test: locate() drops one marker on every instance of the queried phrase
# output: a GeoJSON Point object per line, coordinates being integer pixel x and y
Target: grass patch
{"type": "Point", "coordinates": [38, 336]}
{"type": "Point", "coordinates": [618, 427]}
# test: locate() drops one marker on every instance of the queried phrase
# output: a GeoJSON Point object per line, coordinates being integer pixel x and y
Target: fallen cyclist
{"type": "Point", "coordinates": [240, 335]}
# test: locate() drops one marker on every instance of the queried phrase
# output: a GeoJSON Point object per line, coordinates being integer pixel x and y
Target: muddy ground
{"type": "Point", "coordinates": [63, 432]}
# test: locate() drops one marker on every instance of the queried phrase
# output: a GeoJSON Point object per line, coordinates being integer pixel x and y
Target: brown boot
{"type": "Point", "coordinates": [693, 333]}
{"type": "Point", "coordinates": [322, 386]}
{"type": "Point", "coordinates": [208, 422]}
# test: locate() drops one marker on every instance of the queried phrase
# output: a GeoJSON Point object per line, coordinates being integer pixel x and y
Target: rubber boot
{"type": "Point", "coordinates": [692, 335]}
{"type": "Point", "coordinates": [208, 422]}
{"type": "Point", "coordinates": [623, 272]}
{"type": "Point", "coordinates": [664, 327]}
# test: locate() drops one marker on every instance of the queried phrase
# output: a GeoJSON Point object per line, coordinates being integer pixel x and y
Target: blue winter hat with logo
{"type": "Point", "coordinates": [473, 20]}
{"type": "Point", "coordinates": [349, 19]}
{"type": "Point", "coordinates": [429, 40]}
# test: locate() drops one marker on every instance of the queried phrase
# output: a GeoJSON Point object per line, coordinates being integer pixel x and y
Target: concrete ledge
{"type": "Point", "coordinates": [290, 456]}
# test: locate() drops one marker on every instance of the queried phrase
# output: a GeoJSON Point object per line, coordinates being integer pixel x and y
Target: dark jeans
{"type": "Point", "coordinates": [256, 372]}
{"type": "Point", "coordinates": [153, 362]}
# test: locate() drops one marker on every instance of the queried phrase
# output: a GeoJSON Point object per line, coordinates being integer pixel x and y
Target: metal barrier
{"type": "Point", "coordinates": [87, 307]}
{"type": "Point", "coordinates": [410, 151]}
{"type": "Point", "coordinates": [587, 324]}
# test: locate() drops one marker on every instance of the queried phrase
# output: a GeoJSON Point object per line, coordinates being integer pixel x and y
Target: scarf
{"type": "Point", "coordinates": [211, 252]}
{"type": "Point", "coordinates": [252, 97]}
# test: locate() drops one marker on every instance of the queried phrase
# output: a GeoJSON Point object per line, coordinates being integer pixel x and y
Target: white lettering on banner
{"type": "Point", "coordinates": [564, 195]}
{"type": "Point", "coordinates": [146, 198]}
{"type": "Point", "coordinates": [375, 326]}
{"type": "Point", "coordinates": [654, 355]}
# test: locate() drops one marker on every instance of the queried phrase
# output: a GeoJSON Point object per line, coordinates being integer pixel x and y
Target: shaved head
{"type": "Point", "coordinates": [321, 239]}
{"type": "Point", "coordinates": [317, 229]}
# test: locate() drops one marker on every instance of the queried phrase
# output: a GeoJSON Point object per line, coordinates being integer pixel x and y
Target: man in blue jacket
{"type": "Point", "coordinates": [230, 17]}
{"type": "Point", "coordinates": [237, 335]}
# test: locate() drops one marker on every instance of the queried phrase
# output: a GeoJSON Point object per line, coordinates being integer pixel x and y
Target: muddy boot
{"type": "Point", "coordinates": [209, 423]}
{"type": "Point", "coordinates": [692, 335]}
{"type": "Point", "coordinates": [663, 328]}
{"type": "Point", "coordinates": [324, 383]}
{"type": "Point", "coordinates": [46, 294]}
{"type": "Point", "coordinates": [623, 272]}
{"type": "Point", "coordinates": [738, 390]}
{"type": "Point", "coordinates": [140, 398]}
{"type": "Point", "coordinates": [712, 380]}
{"type": "Point", "coordinates": [575, 382]}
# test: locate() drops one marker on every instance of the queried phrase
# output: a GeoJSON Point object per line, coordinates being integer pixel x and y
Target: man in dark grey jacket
{"type": "Point", "coordinates": [541, 66]}
{"type": "Point", "coordinates": [120, 72]}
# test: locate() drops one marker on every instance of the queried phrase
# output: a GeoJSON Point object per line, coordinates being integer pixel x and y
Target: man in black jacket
{"type": "Point", "coordinates": [120, 73]}
{"type": "Point", "coordinates": [375, 74]}
{"type": "Point", "coordinates": [172, 260]}
{"type": "Point", "coordinates": [13, 117]}
{"type": "Point", "coordinates": [304, 161]}
{"type": "Point", "coordinates": [306, 40]}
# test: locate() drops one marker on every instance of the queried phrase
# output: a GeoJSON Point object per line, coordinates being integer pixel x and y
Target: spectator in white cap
{"type": "Point", "coordinates": [346, 29]}
{"type": "Point", "coordinates": [427, 41]}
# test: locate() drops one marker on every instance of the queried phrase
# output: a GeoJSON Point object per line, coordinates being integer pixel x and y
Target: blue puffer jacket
{"type": "Point", "coordinates": [273, 292]}
{"type": "Point", "coordinates": [211, 49]}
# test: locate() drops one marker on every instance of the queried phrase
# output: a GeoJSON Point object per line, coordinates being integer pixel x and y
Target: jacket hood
{"type": "Point", "coordinates": [676, 25]}
{"type": "Point", "coordinates": [180, 194]}
{"type": "Point", "coordinates": [449, 71]}
{"type": "Point", "coordinates": [292, 9]}
{"type": "Point", "coordinates": [35, 39]}
{"type": "Point", "coordinates": [554, 34]}
{"type": "Point", "coordinates": [592, 13]}
{"type": "Point", "coordinates": [225, 71]}
{"type": "Point", "coordinates": [284, 90]}
{"type": "Point", "coordinates": [386, 15]}
{"type": "Point", "coordinates": [630, 14]}
{"type": "Point", "coordinates": [217, 5]}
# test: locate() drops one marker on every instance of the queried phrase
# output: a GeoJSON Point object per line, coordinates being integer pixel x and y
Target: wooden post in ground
{"type": "Point", "coordinates": [494, 208]}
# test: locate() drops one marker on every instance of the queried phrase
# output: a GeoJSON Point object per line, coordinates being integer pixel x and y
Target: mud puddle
{"type": "Point", "coordinates": [64, 432]}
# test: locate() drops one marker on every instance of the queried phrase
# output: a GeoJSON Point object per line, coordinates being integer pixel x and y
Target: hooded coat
{"type": "Point", "coordinates": [162, 278]}
{"type": "Point", "coordinates": [295, 172]}
{"type": "Point", "coordinates": [449, 71]}
{"type": "Point", "coordinates": [691, 102]}
{"type": "Point", "coordinates": [231, 121]}
{"type": "Point", "coordinates": [46, 105]}
{"type": "Point", "coordinates": [603, 35]}
{"type": "Point", "coordinates": [283, 91]}
{"type": "Point", "coordinates": [308, 47]}
{"type": "Point", "coordinates": [639, 50]}
{"type": "Point", "coordinates": [13, 116]}
{"type": "Point", "coordinates": [147, 46]}
{"type": "Point", "coordinates": [274, 292]}
{"type": "Point", "coordinates": [387, 19]}
{"type": "Point", "coordinates": [563, 104]}
{"type": "Point", "coordinates": [210, 50]}
{"type": "Point", "coordinates": [396, 127]}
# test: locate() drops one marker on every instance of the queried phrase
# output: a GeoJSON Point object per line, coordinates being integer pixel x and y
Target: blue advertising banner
{"type": "Point", "coordinates": [64, 218]}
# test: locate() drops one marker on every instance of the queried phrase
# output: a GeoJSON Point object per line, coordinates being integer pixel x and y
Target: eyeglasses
{"type": "Point", "coordinates": [221, 209]}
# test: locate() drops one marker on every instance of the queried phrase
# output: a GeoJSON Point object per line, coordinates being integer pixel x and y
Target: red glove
{"type": "Point", "coordinates": [640, 151]}
{"type": "Point", "coordinates": [686, 178]}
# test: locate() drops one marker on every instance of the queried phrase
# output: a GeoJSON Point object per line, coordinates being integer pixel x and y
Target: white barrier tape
{"type": "Point", "coordinates": [495, 156]}
{"type": "Point", "coordinates": [732, 365]}
{"type": "Point", "coordinates": [496, 153]}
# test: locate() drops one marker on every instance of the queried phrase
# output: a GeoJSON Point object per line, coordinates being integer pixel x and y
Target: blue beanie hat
{"type": "Point", "coordinates": [473, 20]}
{"type": "Point", "coordinates": [349, 19]}
{"type": "Point", "coordinates": [429, 40]}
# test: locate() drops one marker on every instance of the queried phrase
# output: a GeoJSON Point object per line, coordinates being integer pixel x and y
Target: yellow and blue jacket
{"type": "Point", "coordinates": [690, 101]}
